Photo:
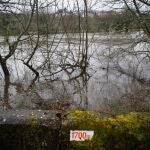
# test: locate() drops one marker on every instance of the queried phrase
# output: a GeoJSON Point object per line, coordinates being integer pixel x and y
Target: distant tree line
{"type": "Point", "coordinates": [67, 21]}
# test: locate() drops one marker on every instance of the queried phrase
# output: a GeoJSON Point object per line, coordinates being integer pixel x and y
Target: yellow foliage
{"type": "Point", "coordinates": [128, 129]}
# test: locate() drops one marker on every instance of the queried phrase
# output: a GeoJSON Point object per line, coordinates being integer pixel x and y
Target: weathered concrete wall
{"type": "Point", "coordinates": [31, 130]}
{"type": "Point", "coordinates": [31, 137]}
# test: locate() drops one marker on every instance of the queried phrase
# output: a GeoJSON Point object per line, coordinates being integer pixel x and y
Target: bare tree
{"type": "Point", "coordinates": [129, 62]}
{"type": "Point", "coordinates": [12, 48]}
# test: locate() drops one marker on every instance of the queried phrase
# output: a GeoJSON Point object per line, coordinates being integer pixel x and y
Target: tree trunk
{"type": "Point", "coordinates": [7, 84]}
{"type": "Point", "coordinates": [86, 54]}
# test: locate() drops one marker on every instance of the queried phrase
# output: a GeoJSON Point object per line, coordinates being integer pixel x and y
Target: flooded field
{"type": "Point", "coordinates": [112, 68]}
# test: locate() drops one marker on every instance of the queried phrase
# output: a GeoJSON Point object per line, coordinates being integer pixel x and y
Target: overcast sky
{"type": "Point", "coordinates": [54, 5]}
{"type": "Point", "coordinates": [93, 4]}
{"type": "Point", "coordinates": [97, 4]}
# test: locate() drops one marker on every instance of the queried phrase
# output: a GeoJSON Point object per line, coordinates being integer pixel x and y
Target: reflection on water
{"type": "Point", "coordinates": [112, 65]}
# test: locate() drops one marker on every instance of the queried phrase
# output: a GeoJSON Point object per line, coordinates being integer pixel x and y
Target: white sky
{"type": "Point", "coordinates": [93, 4]}
{"type": "Point", "coordinates": [54, 5]}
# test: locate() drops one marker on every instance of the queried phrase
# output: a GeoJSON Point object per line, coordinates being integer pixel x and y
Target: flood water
{"type": "Point", "coordinates": [112, 64]}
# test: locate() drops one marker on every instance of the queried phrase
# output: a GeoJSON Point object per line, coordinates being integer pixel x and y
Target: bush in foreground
{"type": "Point", "coordinates": [123, 132]}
